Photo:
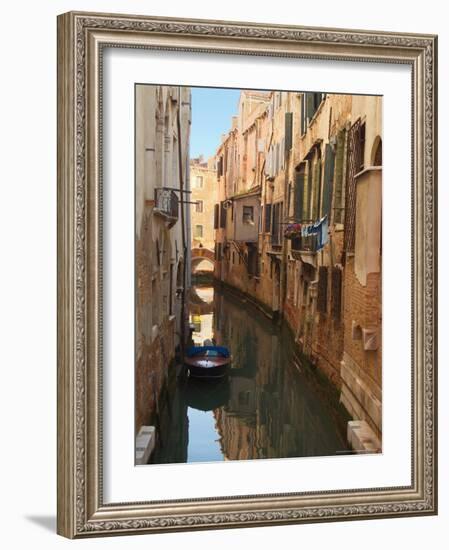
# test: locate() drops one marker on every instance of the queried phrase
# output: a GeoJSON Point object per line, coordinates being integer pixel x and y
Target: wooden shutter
{"type": "Point", "coordinates": [267, 227]}
{"type": "Point", "coordinates": [329, 163]}
{"type": "Point", "coordinates": [299, 196]}
{"type": "Point", "coordinates": [216, 211]}
{"type": "Point", "coordinates": [339, 171]}
{"type": "Point", "coordinates": [336, 292]}
{"type": "Point", "coordinates": [288, 131]}
{"type": "Point", "coordinates": [275, 224]}
{"type": "Point", "coordinates": [322, 289]}
{"type": "Point", "coordinates": [303, 115]}
{"type": "Point", "coordinates": [308, 206]}
{"type": "Point", "coordinates": [354, 163]}
{"type": "Point", "coordinates": [316, 189]}
{"type": "Point", "coordinates": [222, 215]}
{"type": "Point", "coordinates": [310, 106]}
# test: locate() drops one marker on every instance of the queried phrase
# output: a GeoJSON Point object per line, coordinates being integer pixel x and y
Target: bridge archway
{"type": "Point", "coordinates": [202, 256]}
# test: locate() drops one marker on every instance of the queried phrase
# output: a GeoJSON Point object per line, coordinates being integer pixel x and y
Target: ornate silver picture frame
{"type": "Point", "coordinates": [82, 509]}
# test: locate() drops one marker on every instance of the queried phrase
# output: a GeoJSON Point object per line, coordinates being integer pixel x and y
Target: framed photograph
{"type": "Point", "coordinates": [246, 274]}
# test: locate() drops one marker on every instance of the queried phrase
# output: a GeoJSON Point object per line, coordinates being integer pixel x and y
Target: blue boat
{"type": "Point", "coordinates": [207, 361]}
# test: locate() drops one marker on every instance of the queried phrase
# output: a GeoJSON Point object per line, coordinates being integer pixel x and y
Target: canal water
{"type": "Point", "coordinates": [273, 403]}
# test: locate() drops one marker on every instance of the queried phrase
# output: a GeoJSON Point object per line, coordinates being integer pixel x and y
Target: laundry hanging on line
{"type": "Point", "coordinates": [319, 228]}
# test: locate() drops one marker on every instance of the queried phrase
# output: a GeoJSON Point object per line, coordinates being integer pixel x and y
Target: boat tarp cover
{"type": "Point", "coordinates": [201, 350]}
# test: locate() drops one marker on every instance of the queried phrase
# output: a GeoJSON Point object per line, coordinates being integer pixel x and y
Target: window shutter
{"type": "Point", "coordinates": [322, 289]}
{"type": "Point", "coordinates": [275, 152]}
{"type": "Point", "coordinates": [288, 131]}
{"type": "Point", "coordinates": [316, 189]}
{"type": "Point", "coordinates": [216, 207]}
{"type": "Point", "coordinates": [222, 215]}
{"type": "Point", "coordinates": [338, 186]}
{"type": "Point", "coordinates": [336, 293]}
{"type": "Point", "coordinates": [303, 114]}
{"type": "Point", "coordinates": [299, 196]}
{"type": "Point", "coordinates": [267, 227]}
{"type": "Point", "coordinates": [329, 162]}
{"type": "Point", "coordinates": [355, 160]}
{"type": "Point", "coordinates": [279, 160]}
{"type": "Point", "coordinates": [310, 106]}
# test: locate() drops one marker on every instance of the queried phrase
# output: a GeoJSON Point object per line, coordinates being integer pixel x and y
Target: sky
{"type": "Point", "coordinates": [212, 109]}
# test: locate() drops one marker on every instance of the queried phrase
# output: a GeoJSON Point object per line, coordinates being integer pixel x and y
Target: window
{"type": "Point", "coordinates": [248, 215]}
{"type": "Point", "coordinates": [310, 103]}
{"type": "Point", "coordinates": [199, 206]}
{"type": "Point", "coordinates": [198, 231]}
{"type": "Point", "coordinates": [377, 160]}
{"type": "Point", "coordinates": [199, 182]}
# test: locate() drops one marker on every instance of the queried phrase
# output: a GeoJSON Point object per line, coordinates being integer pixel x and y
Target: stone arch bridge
{"type": "Point", "coordinates": [200, 254]}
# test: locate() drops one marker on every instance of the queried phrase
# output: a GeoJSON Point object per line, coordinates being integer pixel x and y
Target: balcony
{"type": "Point", "coordinates": [166, 204]}
{"type": "Point", "coordinates": [309, 243]}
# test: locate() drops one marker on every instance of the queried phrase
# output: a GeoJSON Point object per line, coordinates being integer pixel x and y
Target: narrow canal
{"type": "Point", "coordinates": [273, 404]}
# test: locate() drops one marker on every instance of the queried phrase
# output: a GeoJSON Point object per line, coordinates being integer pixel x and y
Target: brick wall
{"type": "Point", "coordinates": [362, 306]}
{"type": "Point", "coordinates": [152, 369]}
{"type": "Point", "coordinates": [361, 370]}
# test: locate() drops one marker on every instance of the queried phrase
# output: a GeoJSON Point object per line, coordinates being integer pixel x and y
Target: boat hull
{"type": "Point", "coordinates": [208, 367]}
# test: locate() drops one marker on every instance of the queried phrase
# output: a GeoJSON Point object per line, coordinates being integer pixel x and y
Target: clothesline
{"type": "Point", "coordinates": [319, 228]}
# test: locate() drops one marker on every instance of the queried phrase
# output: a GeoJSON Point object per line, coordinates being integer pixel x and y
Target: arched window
{"type": "Point", "coordinates": [376, 155]}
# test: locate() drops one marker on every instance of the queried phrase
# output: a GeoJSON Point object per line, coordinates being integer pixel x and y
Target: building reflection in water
{"type": "Point", "coordinates": [272, 404]}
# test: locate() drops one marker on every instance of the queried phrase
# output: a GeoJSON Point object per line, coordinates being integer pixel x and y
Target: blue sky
{"type": "Point", "coordinates": [212, 109]}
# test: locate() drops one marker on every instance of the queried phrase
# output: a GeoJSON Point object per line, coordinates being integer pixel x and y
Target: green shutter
{"type": "Point", "coordinates": [329, 163]}
{"type": "Point", "coordinates": [299, 196]}
{"type": "Point", "coordinates": [288, 131]}
{"type": "Point", "coordinates": [316, 189]}
{"type": "Point", "coordinates": [308, 193]}
{"type": "Point", "coordinates": [310, 106]}
{"type": "Point", "coordinates": [338, 187]}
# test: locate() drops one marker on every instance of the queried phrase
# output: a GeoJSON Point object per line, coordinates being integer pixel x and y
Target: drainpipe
{"type": "Point", "coordinates": [286, 213]}
{"type": "Point", "coordinates": [183, 228]}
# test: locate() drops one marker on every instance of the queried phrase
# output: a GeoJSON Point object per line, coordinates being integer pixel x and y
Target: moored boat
{"type": "Point", "coordinates": [207, 361]}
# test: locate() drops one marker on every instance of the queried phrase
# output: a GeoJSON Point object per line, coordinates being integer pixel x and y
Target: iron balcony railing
{"type": "Point", "coordinates": [167, 202]}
